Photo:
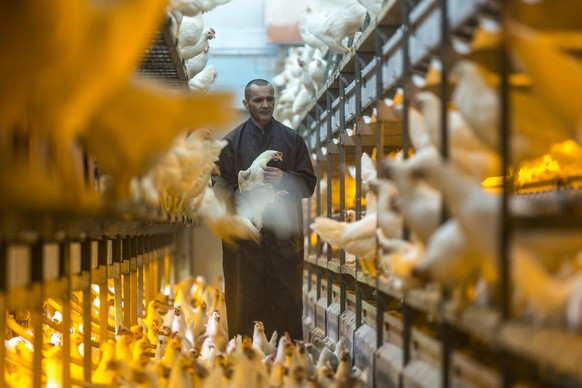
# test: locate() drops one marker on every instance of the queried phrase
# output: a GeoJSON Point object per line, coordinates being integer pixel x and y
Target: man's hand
{"type": "Point", "coordinates": [272, 175]}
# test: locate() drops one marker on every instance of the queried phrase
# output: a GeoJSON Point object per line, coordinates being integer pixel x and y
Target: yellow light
{"type": "Point", "coordinates": [564, 160]}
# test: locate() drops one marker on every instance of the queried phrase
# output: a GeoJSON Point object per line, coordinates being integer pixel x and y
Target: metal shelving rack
{"type": "Point", "coordinates": [419, 337]}
{"type": "Point", "coordinates": [48, 258]}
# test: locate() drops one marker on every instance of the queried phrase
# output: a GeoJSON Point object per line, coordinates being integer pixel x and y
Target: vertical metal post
{"type": "Point", "coordinates": [319, 172]}
{"type": "Point", "coordinates": [133, 281]}
{"type": "Point", "coordinates": [359, 293]}
{"type": "Point", "coordinates": [3, 294]}
{"type": "Point", "coordinates": [116, 255]}
{"type": "Point", "coordinates": [329, 143]}
{"type": "Point", "coordinates": [444, 86]}
{"type": "Point", "coordinates": [318, 283]}
{"type": "Point", "coordinates": [102, 262]}
{"type": "Point", "coordinates": [86, 284]}
{"type": "Point", "coordinates": [358, 166]}
{"type": "Point", "coordinates": [405, 16]}
{"type": "Point", "coordinates": [126, 281]}
{"type": "Point", "coordinates": [36, 283]}
{"type": "Point", "coordinates": [158, 263]}
{"type": "Point", "coordinates": [408, 319]}
{"type": "Point", "coordinates": [309, 201]}
{"type": "Point", "coordinates": [359, 64]}
{"type": "Point", "coordinates": [380, 307]}
{"type": "Point", "coordinates": [148, 259]}
{"type": "Point", "coordinates": [140, 275]}
{"type": "Point", "coordinates": [342, 157]}
{"type": "Point", "coordinates": [505, 228]}
{"type": "Point", "coordinates": [172, 242]}
{"type": "Point", "coordinates": [358, 155]}
{"type": "Point", "coordinates": [329, 161]}
{"type": "Point", "coordinates": [171, 259]}
{"type": "Point", "coordinates": [65, 268]}
{"type": "Point", "coordinates": [444, 327]}
{"type": "Point", "coordinates": [379, 141]}
{"type": "Point", "coordinates": [379, 46]}
{"type": "Point", "coordinates": [166, 262]}
{"type": "Point", "coordinates": [309, 274]}
{"type": "Point", "coordinates": [329, 293]}
{"type": "Point", "coordinates": [406, 76]}
{"type": "Point", "coordinates": [343, 292]}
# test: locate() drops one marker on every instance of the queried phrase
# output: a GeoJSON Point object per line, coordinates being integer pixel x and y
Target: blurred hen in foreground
{"type": "Point", "coordinates": [122, 122]}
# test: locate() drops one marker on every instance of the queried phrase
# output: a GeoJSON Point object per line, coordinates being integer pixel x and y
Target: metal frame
{"type": "Point", "coordinates": [404, 38]}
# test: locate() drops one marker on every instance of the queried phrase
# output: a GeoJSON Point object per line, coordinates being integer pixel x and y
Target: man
{"type": "Point", "coordinates": [263, 282]}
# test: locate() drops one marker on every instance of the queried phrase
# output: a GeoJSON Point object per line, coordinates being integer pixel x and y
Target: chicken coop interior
{"type": "Point", "coordinates": [443, 242]}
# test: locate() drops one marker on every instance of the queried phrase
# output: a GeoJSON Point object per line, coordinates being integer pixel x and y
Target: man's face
{"type": "Point", "coordinates": [261, 104]}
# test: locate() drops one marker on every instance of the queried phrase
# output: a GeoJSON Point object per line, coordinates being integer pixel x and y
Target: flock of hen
{"type": "Point", "coordinates": [328, 28]}
{"type": "Point", "coordinates": [182, 341]}
{"type": "Point", "coordinates": [462, 253]}
{"type": "Point", "coordinates": [117, 119]}
{"type": "Point", "coordinates": [192, 40]}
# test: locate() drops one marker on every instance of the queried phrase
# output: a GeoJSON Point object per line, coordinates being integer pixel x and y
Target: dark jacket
{"type": "Point", "coordinates": [263, 282]}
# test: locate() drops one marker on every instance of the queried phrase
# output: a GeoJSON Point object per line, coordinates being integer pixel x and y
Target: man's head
{"type": "Point", "coordinates": [260, 101]}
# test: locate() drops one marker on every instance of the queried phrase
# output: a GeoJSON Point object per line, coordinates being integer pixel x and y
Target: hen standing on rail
{"type": "Point", "coordinates": [263, 281]}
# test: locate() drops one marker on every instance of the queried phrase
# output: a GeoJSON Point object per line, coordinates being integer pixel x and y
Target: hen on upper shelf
{"type": "Point", "coordinates": [193, 41]}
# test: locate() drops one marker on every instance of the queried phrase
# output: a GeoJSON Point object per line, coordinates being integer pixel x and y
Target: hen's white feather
{"type": "Point", "coordinates": [332, 21]}
{"type": "Point", "coordinates": [203, 80]}
{"type": "Point", "coordinates": [253, 176]}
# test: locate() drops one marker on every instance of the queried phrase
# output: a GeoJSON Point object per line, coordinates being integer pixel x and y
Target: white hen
{"type": "Point", "coordinates": [203, 80]}
{"type": "Point", "coordinates": [373, 6]}
{"type": "Point", "coordinates": [556, 73]}
{"type": "Point", "coordinates": [417, 130]}
{"type": "Point", "coordinates": [333, 20]}
{"type": "Point", "coordinates": [368, 176]}
{"type": "Point", "coordinates": [184, 7]}
{"type": "Point", "coordinates": [316, 69]}
{"type": "Point", "coordinates": [356, 238]}
{"type": "Point", "coordinates": [399, 257]}
{"type": "Point", "coordinates": [215, 330]}
{"type": "Point", "coordinates": [209, 5]}
{"type": "Point", "coordinates": [190, 30]}
{"type": "Point", "coordinates": [466, 150]}
{"type": "Point", "coordinates": [260, 339]}
{"type": "Point", "coordinates": [310, 39]}
{"type": "Point", "coordinates": [191, 52]}
{"type": "Point", "coordinates": [549, 296]}
{"type": "Point", "coordinates": [197, 63]}
{"type": "Point", "coordinates": [228, 226]}
{"type": "Point", "coordinates": [254, 194]}
{"type": "Point", "coordinates": [419, 203]}
{"type": "Point", "coordinates": [193, 197]}
{"type": "Point", "coordinates": [450, 260]}
{"type": "Point", "coordinates": [479, 104]}
{"type": "Point", "coordinates": [389, 220]}
{"type": "Point", "coordinates": [194, 7]}
{"type": "Point", "coordinates": [253, 177]}
{"type": "Point", "coordinates": [302, 100]}
{"type": "Point", "coordinates": [478, 214]}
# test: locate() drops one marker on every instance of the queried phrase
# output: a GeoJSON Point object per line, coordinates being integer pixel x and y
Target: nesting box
{"type": "Point", "coordinates": [388, 365]}
{"type": "Point", "coordinates": [333, 313]}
